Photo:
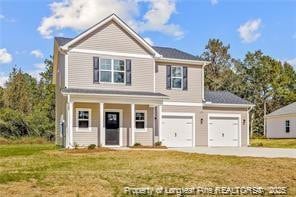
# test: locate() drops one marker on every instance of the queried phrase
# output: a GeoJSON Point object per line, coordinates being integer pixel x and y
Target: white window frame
{"type": "Point", "coordinates": [77, 119]}
{"type": "Point", "coordinates": [287, 126]}
{"type": "Point", "coordinates": [113, 71]}
{"type": "Point", "coordinates": [145, 121]}
{"type": "Point", "coordinates": [181, 88]}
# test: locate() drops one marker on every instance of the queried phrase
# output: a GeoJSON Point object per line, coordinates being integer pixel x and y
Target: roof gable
{"type": "Point", "coordinates": [119, 22]}
{"type": "Point", "coordinates": [288, 109]}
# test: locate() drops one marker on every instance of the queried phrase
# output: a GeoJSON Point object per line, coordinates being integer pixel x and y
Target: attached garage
{"type": "Point", "coordinates": [224, 130]}
{"type": "Point", "coordinates": [178, 130]}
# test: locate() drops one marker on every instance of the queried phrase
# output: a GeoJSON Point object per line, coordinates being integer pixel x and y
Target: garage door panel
{"type": "Point", "coordinates": [223, 131]}
{"type": "Point", "coordinates": [177, 131]}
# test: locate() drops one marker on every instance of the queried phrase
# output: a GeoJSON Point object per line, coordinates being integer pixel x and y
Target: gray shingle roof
{"type": "Point", "coordinates": [224, 97]}
{"type": "Point", "coordinates": [164, 51]}
{"type": "Point", "coordinates": [112, 92]}
{"type": "Point", "coordinates": [288, 109]}
{"type": "Point", "coordinates": [62, 41]}
{"type": "Point", "coordinates": [174, 53]}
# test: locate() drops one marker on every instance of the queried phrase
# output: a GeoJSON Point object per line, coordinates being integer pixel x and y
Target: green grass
{"type": "Point", "coordinates": [274, 143]}
{"type": "Point", "coordinates": [44, 170]}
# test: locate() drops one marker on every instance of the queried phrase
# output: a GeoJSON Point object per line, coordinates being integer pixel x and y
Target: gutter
{"type": "Point", "coordinates": [209, 104]}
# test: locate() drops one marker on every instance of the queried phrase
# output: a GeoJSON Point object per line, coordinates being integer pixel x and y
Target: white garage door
{"type": "Point", "coordinates": [177, 131]}
{"type": "Point", "coordinates": [223, 131]}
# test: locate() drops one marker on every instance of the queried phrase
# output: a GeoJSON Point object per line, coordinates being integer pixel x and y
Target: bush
{"type": "Point", "coordinates": [137, 144]}
{"type": "Point", "coordinates": [13, 124]}
{"type": "Point", "coordinates": [91, 146]}
{"type": "Point", "coordinates": [158, 143]}
{"type": "Point", "coordinates": [76, 145]}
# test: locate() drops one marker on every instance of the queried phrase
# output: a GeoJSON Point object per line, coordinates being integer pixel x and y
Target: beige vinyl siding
{"type": "Point", "coordinates": [276, 127]}
{"type": "Point", "coordinates": [60, 100]}
{"type": "Point", "coordinates": [194, 92]}
{"type": "Point", "coordinates": [86, 137]}
{"type": "Point", "coordinates": [200, 134]}
{"type": "Point", "coordinates": [241, 111]}
{"type": "Point", "coordinates": [111, 37]}
{"type": "Point", "coordinates": [81, 73]}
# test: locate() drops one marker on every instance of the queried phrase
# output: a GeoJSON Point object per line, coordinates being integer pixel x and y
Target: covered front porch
{"type": "Point", "coordinates": [112, 120]}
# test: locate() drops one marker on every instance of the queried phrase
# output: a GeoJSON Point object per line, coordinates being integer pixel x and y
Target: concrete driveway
{"type": "Point", "coordinates": [241, 151]}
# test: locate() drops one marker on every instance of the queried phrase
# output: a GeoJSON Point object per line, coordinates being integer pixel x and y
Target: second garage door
{"type": "Point", "coordinates": [223, 131]}
{"type": "Point", "coordinates": [177, 131]}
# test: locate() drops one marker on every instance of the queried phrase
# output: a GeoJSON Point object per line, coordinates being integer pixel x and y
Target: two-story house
{"type": "Point", "coordinates": [114, 89]}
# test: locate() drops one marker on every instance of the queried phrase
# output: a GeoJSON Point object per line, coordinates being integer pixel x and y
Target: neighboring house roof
{"type": "Point", "coordinates": [110, 92]}
{"type": "Point", "coordinates": [166, 52]}
{"type": "Point", "coordinates": [224, 97]}
{"type": "Point", "coordinates": [288, 109]}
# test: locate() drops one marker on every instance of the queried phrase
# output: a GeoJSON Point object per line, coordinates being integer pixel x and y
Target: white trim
{"type": "Point", "coordinates": [184, 114]}
{"type": "Point", "coordinates": [209, 104]}
{"type": "Point", "coordinates": [77, 120]}
{"type": "Point", "coordinates": [183, 104]}
{"type": "Point", "coordinates": [102, 129]}
{"type": "Point", "coordinates": [133, 124]}
{"type": "Point", "coordinates": [154, 70]}
{"type": "Point", "coordinates": [231, 116]}
{"type": "Point", "coordinates": [66, 70]}
{"type": "Point", "coordinates": [120, 126]}
{"type": "Point", "coordinates": [97, 52]}
{"type": "Point", "coordinates": [181, 77]}
{"type": "Point", "coordinates": [112, 71]}
{"type": "Point", "coordinates": [115, 95]}
{"type": "Point", "coordinates": [145, 121]}
{"type": "Point", "coordinates": [119, 22]}
{"type": "Point", "coordinates": [182, 61]}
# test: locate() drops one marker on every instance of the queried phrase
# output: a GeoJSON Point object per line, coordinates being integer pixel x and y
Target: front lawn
{"type": "Point", "coordinates": [44, 170]}
{"type": "Point", "coordinates": [274, 143]}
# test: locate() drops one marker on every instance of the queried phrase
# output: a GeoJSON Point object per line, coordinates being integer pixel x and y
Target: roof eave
{"type": "Point", "coordinates": [209, 104]}
{"type": "Point", "coordinates": [182, 61]}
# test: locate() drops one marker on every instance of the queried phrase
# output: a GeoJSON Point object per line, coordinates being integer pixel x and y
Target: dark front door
{"type": "Point", "coordinates": [112, 128]}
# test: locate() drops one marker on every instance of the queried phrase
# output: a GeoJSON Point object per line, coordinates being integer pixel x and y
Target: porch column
{"type": "Point", "coordinates": [71, 124]}
{"type": "Point", "coordinates": [69, 129]}
{"type": "Point", "coordinates": [102, 133]}
{"type": "Point", "coordinates": [133, 124]}
{"type": "Point", "coordinates": [159, 118]}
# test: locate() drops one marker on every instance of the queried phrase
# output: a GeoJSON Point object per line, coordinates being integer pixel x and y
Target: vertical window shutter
{"type": "Point", "coordinates": [128, 72]}
{"type": "Point", "coordinates": [185, 78]}
{"type": "Point", "coordinates": [168, 76]}
{"type": "Point", "coordinates": [96, 62]}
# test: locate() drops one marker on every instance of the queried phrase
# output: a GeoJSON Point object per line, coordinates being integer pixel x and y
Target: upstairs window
{"type": "Point", "coordinates": [287, 126]}
{"type": "Point", "coordinates": [112, 70]}
{"type": "Point", "coordinates": [177, 77]}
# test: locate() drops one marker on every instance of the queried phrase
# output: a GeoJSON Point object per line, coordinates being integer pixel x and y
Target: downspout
{"type": "Point", "coordinates": [248, 128]}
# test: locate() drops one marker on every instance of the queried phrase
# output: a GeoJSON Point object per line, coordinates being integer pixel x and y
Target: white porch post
{"type": "Point", "coordinates": [71, 124]}
{"type": "Point", "coordinates": [69, 131]}
{"type": "Point", "coordinates": [133, 124]}
{"type": "Point", "coordinates": [159, 118]}
{"type": "Point", "coordinates": [102, 132]}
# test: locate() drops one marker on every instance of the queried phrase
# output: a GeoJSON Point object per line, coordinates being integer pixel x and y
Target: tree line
{"type": "Point", "coordinates": [258, 78]}
{"type": "Point", "coordinates": [27, 105]}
